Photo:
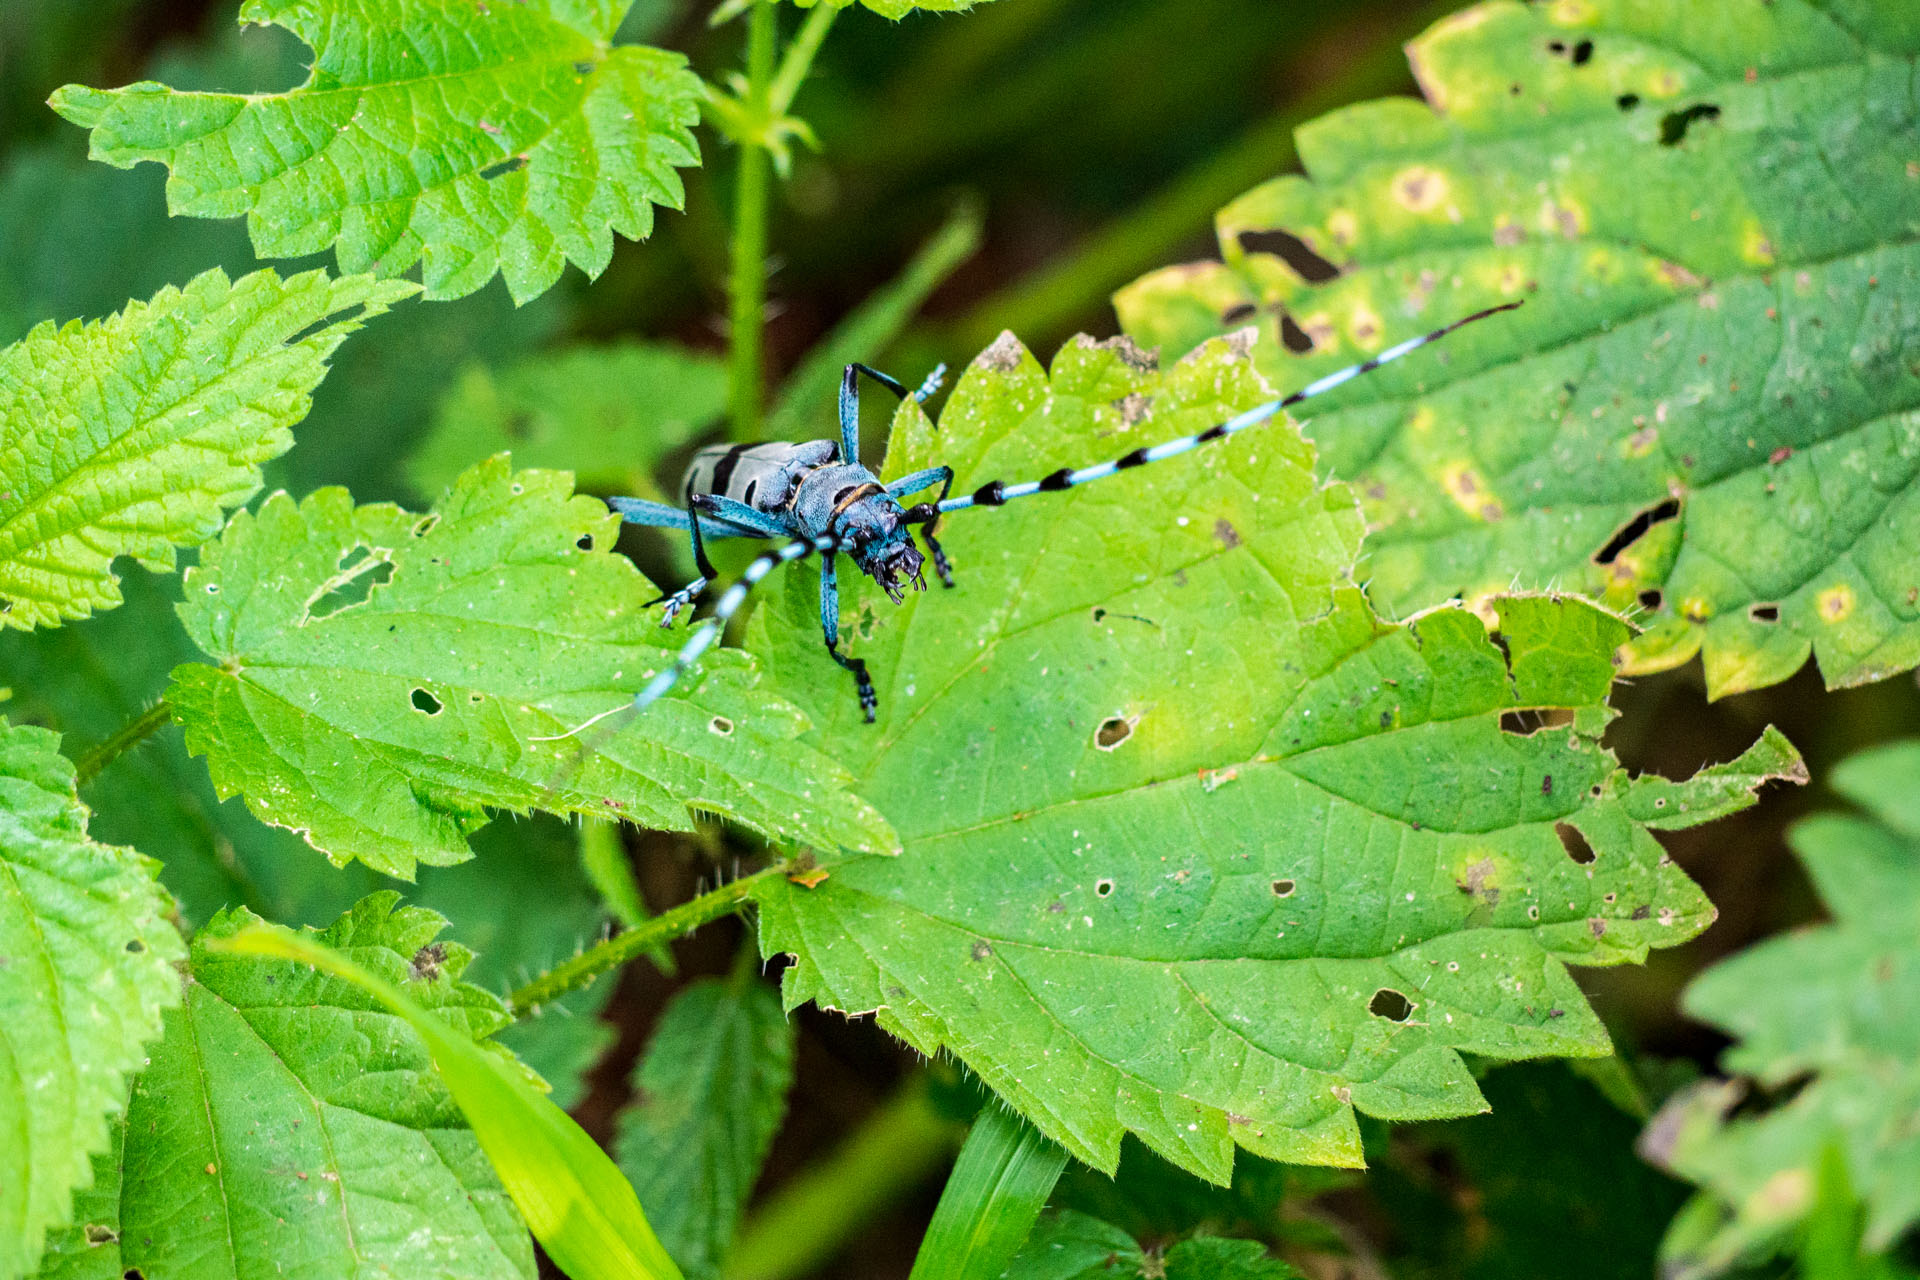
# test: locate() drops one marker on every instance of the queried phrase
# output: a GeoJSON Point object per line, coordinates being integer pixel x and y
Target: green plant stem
{"type": "Point", "coordinates": [622, 947]}
{"type": "Point", "coordinates": [747, 291]}
{"type": "Point", "coordinates": [799, 58]}
{"type": "Point", "coordinates": [126, 737]}
{"type": "Point", "coordinates": [808, 1219]}
{"type": "Point", "coordinates": [992, 1198]}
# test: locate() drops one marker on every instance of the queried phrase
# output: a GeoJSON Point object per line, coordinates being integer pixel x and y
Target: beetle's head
{"type": "Point", "coordinates": [882, 546]}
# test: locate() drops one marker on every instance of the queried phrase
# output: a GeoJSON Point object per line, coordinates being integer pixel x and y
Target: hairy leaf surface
{"type": "Point", "coordinates": [1709, 408]}
{"type": "Point", "coordinates": [287, 1116]}
{"type": "Point", "coordinates": [471, 138]}
{"type": "Point", "coordinates": [133, 435]}
{"type": "Point", "coordinates": [608, 414]}
{"type": "Point", "coordinates": [88, 967]}
{"type": "Point", "coordinates": [1195, 845]}
{"type": "Point", "coordinates": [382, 677]}
{"type": "Point", "coordinates": [898, 8]}
{"type": "Point", "coordinates": [1075, 1246]}
{"type": "Point", "coordinates": [1838, 1002]}
{"type": "Point", "coordinates": [710, 1093]}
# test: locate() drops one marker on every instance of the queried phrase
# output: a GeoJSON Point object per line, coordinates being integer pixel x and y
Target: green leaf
{"type": "Point", "coordinates": [711, 1091]}
{"type": "Point", "coordinates": [524, 903]}
{"type": "Point", "coordinates": [132, 435]}
{"type": "Point", "coordinates": [89, 956]}
{"type": "Point", "coordinates": [999, 1185]}
{"type": "Point", "coordinates": [473, 139]}
{"type": "Point", "coordinates": [383, 678]}
{"type": "Point", "coordinates": [609, 414]}
{"type": "Point", "coordinates": [1074, 1246]}
{"type": "Point", "coordinates": [1708, 407]}
{"type": "Point", "coordinates": [285, 1115]}
{"type": "Point", "coordinates": [579, 1207]}
{"type": "Point", "coordinates": [1839, 1003]}
{"type": "Point", "coordinates": [898, 9]}
{"type": "Point", "coordinates": [1195, 846]}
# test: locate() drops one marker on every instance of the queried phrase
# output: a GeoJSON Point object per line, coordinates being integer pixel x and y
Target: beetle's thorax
{"type": "Point", "coordinates": [849, 501]}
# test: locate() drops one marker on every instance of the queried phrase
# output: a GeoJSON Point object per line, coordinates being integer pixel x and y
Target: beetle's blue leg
{"type": "Point", "coordinates": [850, 401]}
{"type": "Point", "coordinates": [685, 596]}
{"type": "Point", "coordinates": [913, 484]}
{"type": "Point", "coordinates": [996, 492]}
{"type": "Point", "coordinates": [830, 629]}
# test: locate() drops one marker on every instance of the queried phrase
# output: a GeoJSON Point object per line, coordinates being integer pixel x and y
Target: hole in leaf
{"type": "Point", "coordinates": [1283, 888]}
{"type": "Point", "coordinates": [1651, 598]}
{"type": "Point", "coordinates": [1764, 613]}
{"type": "Point", "coordinates": [1527, 721]}
{"type": "Point", "coordinates": [584, 542]}
{"type": "Point", "coordinates": [424, 525]}
{"type": "Point", "coordinates": [1674, 124]}
{"type": "Point", "coordinates": [1293, 337]}
{"type": "Point", "coordinates": [1574, 843]}
{"type": "Point", "coordinates": [1103, 888]}
{"type": "Point", "coordinates": [213, 588]}
{"type": "Point", "coordinates": [1627, 101]}
{"type": "Point", "coordinates": [1391, 1005]}
{"type": "Point", "coordinates": [424, 701]}
{"type": "Point", "coordinates": [360, 570]}
{"type": "Point", "coordinates": [511, 164]}
{"type": "Point", "coordinates": [1582, 53]}
{"type": "Point", "coordinates": [1238, 312]}
{"type": "Point", "coordinates": [135, 946]}
{"type": "Point", "coordinates": [1556, 47]}
{"type": "Point", "coordinates": [99, 1233]}
{"type": "Point", "coordinates": [721, 725]}
{"type": "Point", "coordinates": [1635, 529]}
{"type": "Point", "coordinates": [1113, 731]}
{"type": "Point", "coordinates": [1293, 251]}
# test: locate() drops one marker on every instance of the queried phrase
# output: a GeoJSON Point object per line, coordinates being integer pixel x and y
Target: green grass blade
{"type": "Point", "coordinates": [1002, 1180]}
{"type": "Point", "coordinates": [583, 1212]}
{"type": "Point", "coordinates": [806, 404]}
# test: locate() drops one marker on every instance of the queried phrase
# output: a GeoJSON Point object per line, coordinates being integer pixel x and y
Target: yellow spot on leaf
{"type": "Point", "coordinates": [1571, 13]}
{"type": "Point", "coordinates": [1469, 492]}
{"type": "Point", "coordinates": [1786, 1195]}
{"type": "Point", "coordinates": [1755, 246]}
{"type": "Point", "coordinates": [1420, 188]}
{"type": "Point", "coordinates": [1365, 328]}
{"type": "Point", "coordinates": [1695, 609]}
{"type": "Point", "coordinates": [1836, 603]}
{"type": "Point", "coordinates": [1423, 418]}
{"type": "Point", "coordinates": [1343, 227]}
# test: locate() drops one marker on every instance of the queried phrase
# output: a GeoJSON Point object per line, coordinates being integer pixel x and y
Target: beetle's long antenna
{"type": "Point", "coordinates": [996, 492]}
{"type": "Point", "coordinates": [709, 631]}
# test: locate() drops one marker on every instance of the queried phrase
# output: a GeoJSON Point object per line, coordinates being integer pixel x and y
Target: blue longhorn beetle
{"type": "Point", "coordinates": [819, 495]}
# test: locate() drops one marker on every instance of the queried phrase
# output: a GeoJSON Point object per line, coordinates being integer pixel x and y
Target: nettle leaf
{"type": "Point", "coordinates": [132, 435]}
{"type": "Point", "coordinates": [383, 677]}
{"type": "Point", "coordinates": [1075, 1246]}
{"type": "Point", "coordinates": [608, 414]}
{"type": "Point", "coordinates": [470, 138]}
{"type": "Point", "coordinates": [1707, 409]}
{"type": "Point", "coordinates": [88, 967]}
{"type": "Point", "coordinates": [1195, 845]}
{"type": "Point", "coordinates": [1836, 1006]}
{"type": "Point", "coordinates": [710, 1093]}
{"type": "Point", "coordinates": [286, 1114]}
{"type": "Point", "coordinates": [897, 9]}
